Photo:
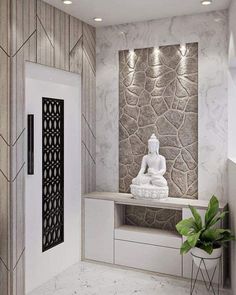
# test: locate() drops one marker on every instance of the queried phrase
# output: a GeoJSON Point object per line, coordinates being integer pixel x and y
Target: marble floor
{"type": "Point", "coordinates": [94, 279]}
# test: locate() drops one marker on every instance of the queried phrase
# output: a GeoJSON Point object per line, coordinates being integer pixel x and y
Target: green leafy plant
{"type": "Point", "coordinates": [204, 234]}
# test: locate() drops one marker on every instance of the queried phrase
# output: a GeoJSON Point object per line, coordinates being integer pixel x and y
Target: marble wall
{"type": "Point", "coordinates": [158, 93]}
{"type": "Point", "coordinates": [210, 30]}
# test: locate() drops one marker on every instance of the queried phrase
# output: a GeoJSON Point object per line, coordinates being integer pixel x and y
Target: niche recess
{"type": "Point", "coordinates": [159, 94]}
{"type": "Point", "coordinates": [158, 218]}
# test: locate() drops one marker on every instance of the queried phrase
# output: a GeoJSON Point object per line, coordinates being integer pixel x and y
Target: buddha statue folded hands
{"type": "Point", "coordinates": [150, 182]}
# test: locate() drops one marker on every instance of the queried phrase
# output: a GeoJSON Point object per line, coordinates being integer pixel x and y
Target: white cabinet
{"type": "Point", "coordinates": [99, 228]}
{"type": "Point", "coordinates": [148, 257]}
{"type": "Point", "coordinates": [148, 249]}
{"type": "Point", "coordinates": [108, 239]}
{"type": "Point", "coordinates": [151, 236]}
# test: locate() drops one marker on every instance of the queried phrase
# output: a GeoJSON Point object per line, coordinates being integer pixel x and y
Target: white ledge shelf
{"type": "Point", "coordinates": [151, 236]}
{"type": "Point", "coordinates": [169, 203]}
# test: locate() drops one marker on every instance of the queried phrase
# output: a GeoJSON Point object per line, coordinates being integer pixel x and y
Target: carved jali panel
{"type": "Point", "coordinates": [53, 171]}
{"type": "Point", "coordinates": [159, 94]}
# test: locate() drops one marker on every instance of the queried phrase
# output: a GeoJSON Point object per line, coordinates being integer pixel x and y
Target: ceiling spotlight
{"type": "Point", "coordinates": [206, 2]}
{"type": "Point", "coordinates": [67, 1]}
{"type": "Point", "coordinates": [97, 19]}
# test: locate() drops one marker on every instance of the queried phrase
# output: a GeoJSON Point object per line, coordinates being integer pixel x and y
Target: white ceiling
{"type": "Point", "coordinates": [116, 12]}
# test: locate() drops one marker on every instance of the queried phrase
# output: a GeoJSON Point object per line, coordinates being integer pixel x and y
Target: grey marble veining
{"type": "Point", "coordinates": [210, 31]}
{"type": "Point", "coordinates": [93, 279]}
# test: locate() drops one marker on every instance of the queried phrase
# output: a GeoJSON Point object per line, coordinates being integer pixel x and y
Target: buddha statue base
{"type": "Point", "coordinates": [149, 191]}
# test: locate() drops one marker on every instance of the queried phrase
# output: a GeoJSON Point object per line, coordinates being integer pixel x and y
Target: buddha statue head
{"type": "Point", "coordinates": [153, 145]}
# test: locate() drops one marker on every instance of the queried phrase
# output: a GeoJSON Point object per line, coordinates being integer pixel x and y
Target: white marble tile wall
{"type": "Point", "coordinates": [210, 30]}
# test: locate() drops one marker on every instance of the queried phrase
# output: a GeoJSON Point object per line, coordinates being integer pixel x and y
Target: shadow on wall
{"type": "Point", "coordinates": [231, 112]}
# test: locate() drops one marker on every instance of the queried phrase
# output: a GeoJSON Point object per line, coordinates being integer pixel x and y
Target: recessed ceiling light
{"type": "Point", "coordinates": [97, 19]}
{"type": "Point", "coordinates": [206, 2]}
{"type": "Point", "coordinates": [67, 1]}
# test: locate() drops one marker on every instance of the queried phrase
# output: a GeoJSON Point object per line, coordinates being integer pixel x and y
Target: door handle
{"type": "Point", "coordinates": [30, 145]}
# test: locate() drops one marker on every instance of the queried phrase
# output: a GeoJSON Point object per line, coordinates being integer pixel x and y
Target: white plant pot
{"type": "Point", "coordinates": [210, 260]}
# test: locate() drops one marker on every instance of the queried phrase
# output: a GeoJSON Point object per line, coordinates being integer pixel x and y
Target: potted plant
{"type": "Point", "coordinates": [205, 238]}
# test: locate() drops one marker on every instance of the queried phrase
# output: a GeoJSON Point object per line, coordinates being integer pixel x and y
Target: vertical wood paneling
{"type": "Point", "coordinates": [88, 108]}
{"type": "Point", "coordinates": [61, 40]}
{"type": "Point", "coordinates": [4, 220]}
{"type": "Point", "coordinates": [39, 33]}
{"type": "Point", "coordinates": [45, 34]}
{"type": "Point", "coordinates": [23, 47]}
{"type": "Point", "coordinates": [4, 93]}
{"type": "Point", "coordinates": [4, 117]}
{"type": "Point", "coordinates": [89, 40]}
{"type": "Point", "coordinates": [27, 52]}
{"type": "Point", "coordinates": [4, 279]}
{"type": "Point", "coordinates": [76, 45]}
{"type": "Point", "coordinates": [18, 277]}
{"type": "Point", "coordinates": [23, 22]}
{"type": "Point", "coordinates": [4, 18]}
{"type": "Point", "coordinates": [4, 148]}
{"type": "Point", "coordinates": [76, 31]}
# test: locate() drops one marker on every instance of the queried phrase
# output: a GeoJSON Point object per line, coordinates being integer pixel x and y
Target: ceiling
{"type": "Point", "coordinates": [116, 12]}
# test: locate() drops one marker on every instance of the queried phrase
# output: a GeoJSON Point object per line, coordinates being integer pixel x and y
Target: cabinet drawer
{"type": "Point", "coordinates": [148, 257]}
{"type": "Point", "coordinates": [149, 236]}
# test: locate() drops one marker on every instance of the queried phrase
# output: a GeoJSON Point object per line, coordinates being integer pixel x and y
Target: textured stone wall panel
{"type": "Point", "coordinates": [159, 94]}
{"type": "Point", "coordinates": [165, 219]}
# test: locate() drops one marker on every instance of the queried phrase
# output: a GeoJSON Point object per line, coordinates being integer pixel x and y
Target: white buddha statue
{"type": "Point", "coordinates": [150, 182]}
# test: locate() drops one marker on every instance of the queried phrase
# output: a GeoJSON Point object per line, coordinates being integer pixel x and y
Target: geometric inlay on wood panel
{"type": "Point", "coordinates": [158, 93]}
{"type": "Point", "coordinates": [52, 172]}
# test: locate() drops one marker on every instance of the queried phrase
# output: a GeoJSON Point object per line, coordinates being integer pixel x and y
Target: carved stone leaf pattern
{"type": "Point", "coordinates": [159, 94]}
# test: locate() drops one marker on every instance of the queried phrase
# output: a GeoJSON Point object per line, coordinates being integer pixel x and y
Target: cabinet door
{"type": "Point", "coordinates": [99, 230]}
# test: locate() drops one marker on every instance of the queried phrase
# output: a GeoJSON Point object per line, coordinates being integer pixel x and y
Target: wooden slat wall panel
{"type": "Point", "coordinates": [88, 110]}
{"type": "Point", "coordinates": [43, 34]}
{"type": "Point", "coordinates": [76, 31]}
{"type": "Point", "coordinates": [17, 152]}
{"type": "Point", "coordinates": [89, 40]}
{"type": "Point", "coordinates": [76, 45]}
{"type": "Point", "coordinates": [5, 241]}
{"type": "Point", "coordinates": [4, 279]}
{"type": "Point", "coordinates": [4, 219]}
{"type": "Point", "coordinates": [4, 17]}
{"type": "Point", "coordinates": [76, 58]}
{"type": "Point", "coordinates": [4, 118]}
{"type": "Point", "coordinates": [23, 49]}
{"type": "Point", "coordinates": [4, 156]}
{"type": "Point", "coordinates": [4, 146]}
{"type": "Point", "coordinates": [61, 40]}
{"type": "Point", "coordinates": [23, 22]}
{"type": "Point", "coordinates": [18, 277]}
